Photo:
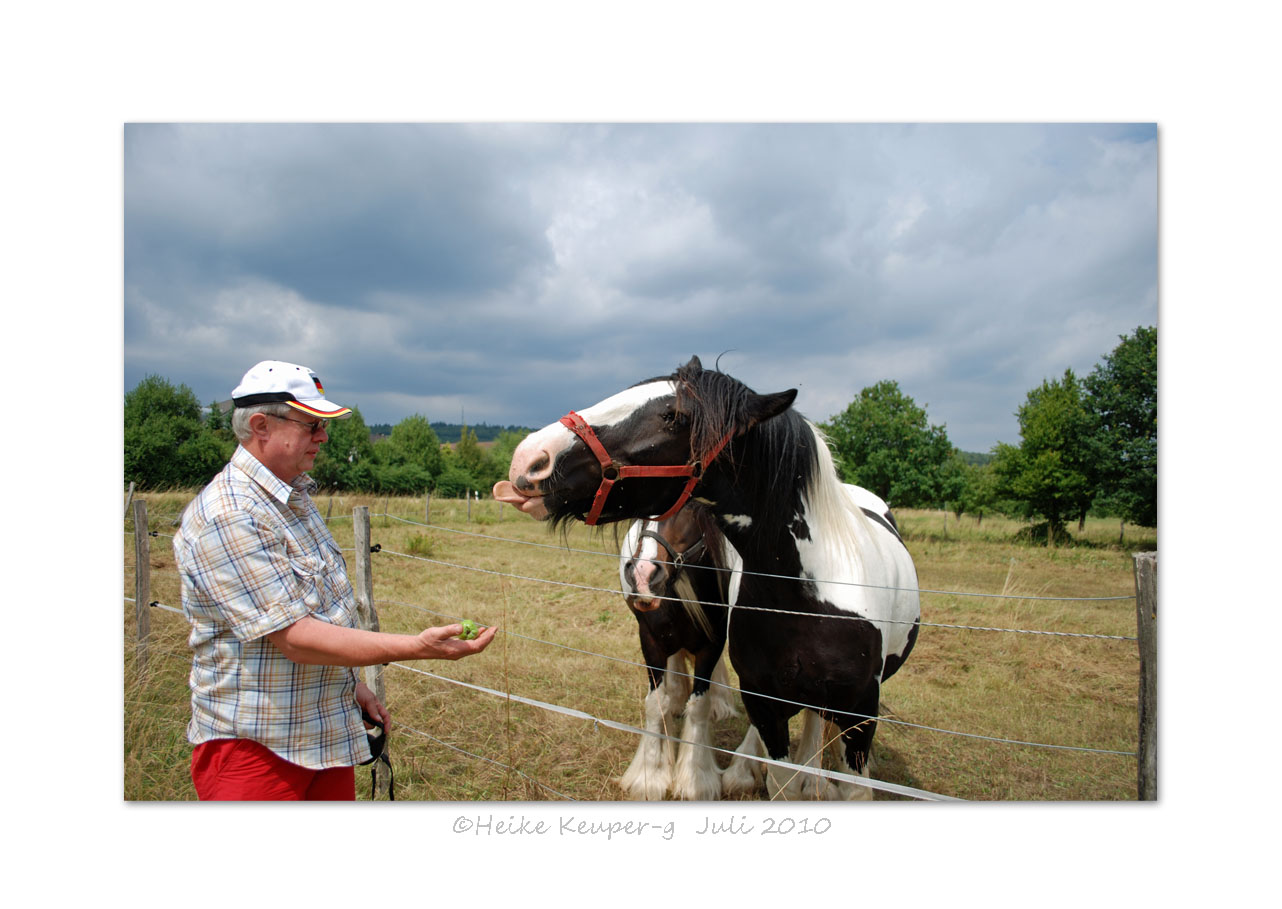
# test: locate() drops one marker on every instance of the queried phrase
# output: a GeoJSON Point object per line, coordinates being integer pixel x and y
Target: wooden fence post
{"type": "Point", "coordinates": [1146, 615]}
{"type": "Point", "coordinates": [142, 585]}
{"type": "Point", "coordinates": [129, 498]}
{"type": "Point", "coordinates": [367, 617]}
{"type": "Point", "coordinates": [427, 509]}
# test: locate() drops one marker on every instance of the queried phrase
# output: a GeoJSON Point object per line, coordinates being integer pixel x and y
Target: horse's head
{"type": "Point", "coordinates": [655, 552]}
{"type": "Point", "coordinates": [637, 453]}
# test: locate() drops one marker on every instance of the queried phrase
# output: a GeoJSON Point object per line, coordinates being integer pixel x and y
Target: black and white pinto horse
{"type": "Point", "coordinates": [675, 576]}
{"type": "Point", "coordinates": [826, 607]}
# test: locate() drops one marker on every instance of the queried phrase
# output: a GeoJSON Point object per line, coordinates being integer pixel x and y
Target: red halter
{"type": "Point", "coordinates": [612, 471]}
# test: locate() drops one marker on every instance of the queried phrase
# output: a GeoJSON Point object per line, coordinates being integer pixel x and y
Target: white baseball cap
{"type": "Point", "coordinates": [276, 382]}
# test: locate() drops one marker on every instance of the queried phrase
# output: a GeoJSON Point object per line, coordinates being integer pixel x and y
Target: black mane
{"type": "Point", "coordinates": [781, 449]}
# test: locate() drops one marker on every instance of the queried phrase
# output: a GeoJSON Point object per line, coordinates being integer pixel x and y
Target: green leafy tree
{"type": "Point", "coordinates": [455, 479]}
{"type": "Point", "coordinates": [167, 444]}
{"type": "Point", "coordinates": [1050, 473]}
{"type": "Point", "coordinates": [414, 442]}
{"type": "Point", "coordinates": [469, 452]}
{"type": "Point", "coordinates": [402, 479]}
{"type": "Point", "coordinates": [981, 493]}
{"type": "Point", "coordinates": [883, 443]}
{"type": "Point", "coordinates": [346, 461]}
{"type": "Point", "coordinates": [219, 424]}
{"type": "Point", "coordinates": [1122, 399]}
{"type": "Point", "coordinates": [955, 478]}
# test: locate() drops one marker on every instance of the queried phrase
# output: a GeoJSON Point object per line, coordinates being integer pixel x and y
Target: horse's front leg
{"type": "Point", "coordinates": [771, 720]}
{"type": "Point", "coordinates": [854, 756]}
{"type": "Point", "coordinates": [697, 776]}
{"type": "Point", "coordinates": [649, 776]}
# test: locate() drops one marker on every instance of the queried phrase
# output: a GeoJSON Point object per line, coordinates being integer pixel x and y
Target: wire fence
{"type": "Point", "coordinates": [615, 593]}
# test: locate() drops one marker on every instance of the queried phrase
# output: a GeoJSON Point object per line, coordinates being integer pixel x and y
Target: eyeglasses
{"type": "Point", "coordinates": [312, 428]}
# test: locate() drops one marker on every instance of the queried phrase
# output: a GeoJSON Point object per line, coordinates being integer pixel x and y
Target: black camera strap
{"type": "Point", "coordinates": [377, 739]}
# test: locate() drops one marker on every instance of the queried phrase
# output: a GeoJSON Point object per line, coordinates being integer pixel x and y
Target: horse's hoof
{"type": "Point", "coordinates": [644, 790]}
{"type": "Point", "coordinates": [739, 781]}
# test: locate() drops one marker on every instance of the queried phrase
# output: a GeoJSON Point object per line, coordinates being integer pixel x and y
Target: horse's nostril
{"type": "Point", "coordinates": [540, 465]}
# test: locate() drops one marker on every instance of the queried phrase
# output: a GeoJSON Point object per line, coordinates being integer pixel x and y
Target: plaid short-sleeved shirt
{"type": "Point", "coordinates": [255, 556]}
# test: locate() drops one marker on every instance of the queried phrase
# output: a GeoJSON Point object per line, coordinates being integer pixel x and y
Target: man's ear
{"type": "Point", "coordinates": [258, 425]}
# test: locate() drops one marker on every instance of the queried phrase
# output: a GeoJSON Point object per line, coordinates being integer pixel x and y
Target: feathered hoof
{"type": "Point", "coordinates": [853, 792]}
{"type": "Point", "coordinates": [650, 787]}
{"type": "Point", "coordinates": [698, 785]}
{"type": "Point", "coordinates": [785, 786]}
{"type": "Point", "coordinates": [740, 778]}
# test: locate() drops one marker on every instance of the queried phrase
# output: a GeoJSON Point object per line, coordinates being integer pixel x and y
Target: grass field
{"type": "Point", "coordinates": [573, 643]}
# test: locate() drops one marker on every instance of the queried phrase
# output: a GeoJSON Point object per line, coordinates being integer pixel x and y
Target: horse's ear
{"type": "Point", "coordinates": [763, 407]}
{"type": "Point", "coordinates": [694, 364]}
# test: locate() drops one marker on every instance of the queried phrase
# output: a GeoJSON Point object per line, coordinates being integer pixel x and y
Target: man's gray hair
{"type": "Point", "coordinates": [240, 417]}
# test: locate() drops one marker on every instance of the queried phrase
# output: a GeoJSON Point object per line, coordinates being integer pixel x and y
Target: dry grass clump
{"type": "Point", "coordinates": [573, 643]}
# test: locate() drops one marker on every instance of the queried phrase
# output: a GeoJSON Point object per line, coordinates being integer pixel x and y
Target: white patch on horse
{"type": "Point", "coordinates": [696, 776]}
{"type": "Point", "coordinates": [744, 774]}
{"type": "Point", "coordinates": [856, 565]}
{"type": "Point", "coordinates": [649, 776]}
{"type": "Point", "coordinates": [650, 773]}
{"type": "Point", "coordinates": [742, 521]}
{"type": "Point", "coordinates": [645, 552]}
{"type": "Point", "coordinates": [723, 705]}
{"type": "Point", "coordinates": [617, 408]}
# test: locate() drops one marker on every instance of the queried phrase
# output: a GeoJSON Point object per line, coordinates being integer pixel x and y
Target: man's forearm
{"type": "Point", "coordinates": [313, 642]}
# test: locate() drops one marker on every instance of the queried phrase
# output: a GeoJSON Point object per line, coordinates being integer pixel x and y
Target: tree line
{"type": "Point", "coordinates": [1087, 445]}
{"type": "Point", "coordinates": [171, 442]}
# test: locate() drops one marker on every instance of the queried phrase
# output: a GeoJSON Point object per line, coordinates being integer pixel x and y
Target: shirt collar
{"type": "Point", "coordinates": [275, 487]}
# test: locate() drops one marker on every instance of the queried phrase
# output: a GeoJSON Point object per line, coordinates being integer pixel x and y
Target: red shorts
{"type": "Point", "coordinates": [244, 770]}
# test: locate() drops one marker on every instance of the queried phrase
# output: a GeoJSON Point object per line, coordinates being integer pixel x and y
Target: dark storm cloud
{"type": "Point", "coordinates": [511, 272]}
{"type": "Point", "coordinates": [336, 212]}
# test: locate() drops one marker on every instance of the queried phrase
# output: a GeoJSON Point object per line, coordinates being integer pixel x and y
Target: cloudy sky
{"type": "Point", "coordinates": [507, 273]}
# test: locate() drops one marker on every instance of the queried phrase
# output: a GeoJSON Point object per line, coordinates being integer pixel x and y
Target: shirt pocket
{"type": "Point", "coordinates": [309, 572]}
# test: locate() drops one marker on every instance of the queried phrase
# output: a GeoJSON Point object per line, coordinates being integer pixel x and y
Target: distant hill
{"type": "Point", "coordinates": [451, 432]}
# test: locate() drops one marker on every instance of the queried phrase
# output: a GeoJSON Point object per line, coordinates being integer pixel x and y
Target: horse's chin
{"type": "Point", "coordinates": [534, 506]}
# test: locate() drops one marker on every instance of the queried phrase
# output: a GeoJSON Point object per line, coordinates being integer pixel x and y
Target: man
{"type": "Point", "coordinates": [276, 704]}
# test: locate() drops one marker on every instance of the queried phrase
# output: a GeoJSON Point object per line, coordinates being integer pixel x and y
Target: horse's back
{"type": "Point", "coordinates": [883, 578]}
